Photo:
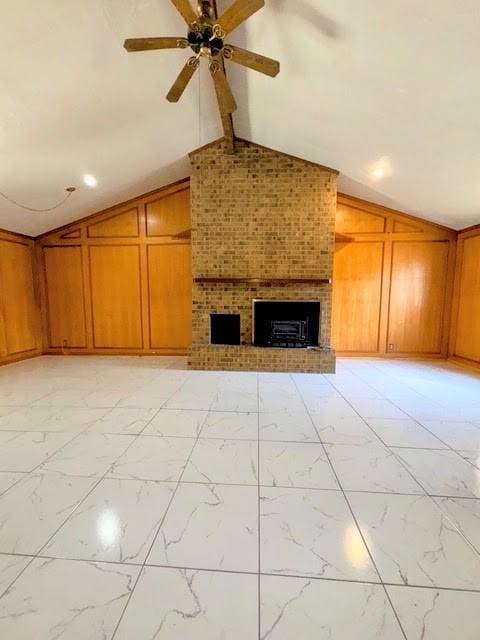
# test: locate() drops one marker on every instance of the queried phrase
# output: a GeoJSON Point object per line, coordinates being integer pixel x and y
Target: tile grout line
{"type": "Point", "coordinates": [404, 465]}
{"type": "Point", "coordinates": [258, 512]}
{"type": "Point", "coordinates": [395, 401]}
{"type": "Point", "coordinates": [351, 512]}
{"type": "Point", "coordinates": [174, 493]}
{"type": "Point", "coordinates": [37, 555]}
{"type": "Point", "coordinates": [247, 573]}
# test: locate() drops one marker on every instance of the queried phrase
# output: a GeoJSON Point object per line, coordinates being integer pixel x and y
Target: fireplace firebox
{"type": "Point", "coordinates": [286, 324]}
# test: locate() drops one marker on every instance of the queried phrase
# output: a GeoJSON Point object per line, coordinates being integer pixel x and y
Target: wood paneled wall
{"type": "Point", "coordinates": [20, 334]}
{"type": "Point", "coordinates": [392, 283]}
{"type": "Point", "coordinates": [120, 281]}
{"type": "Point", "coordinates": [465, 334]}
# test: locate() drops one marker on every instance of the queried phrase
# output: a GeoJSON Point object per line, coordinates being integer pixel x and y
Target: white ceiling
{"type": "Point", "coordinates": [360, 81]}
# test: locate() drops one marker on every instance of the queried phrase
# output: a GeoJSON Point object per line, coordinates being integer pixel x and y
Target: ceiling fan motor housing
{"type": "Point", "coordinates": [204, 38]}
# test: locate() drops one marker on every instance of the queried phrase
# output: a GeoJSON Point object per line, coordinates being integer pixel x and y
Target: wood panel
{"type": "Point", "coordinates": [417, 297]}
{"type": "Point", "coordinates": [19, 311]}
{"type": "Point", "coordinates": [354, 220]}
{"type": "Point", "coordinates": [116, 296]}
{"type": "Point", "coordinates": [399, 305]}
{"type": "Point", "coordinates": [121, 225]}
{"type": "Point", "coordinates": [357, 296]}
{"type": "Point", "coordinates": [169, 216]}
{"type": "Point", "coordinates": [467, 337]}
{"type": "Point", "coordinates": [65, 297]}
{"type": "Point", "coordinates": [126, 310]}
{"type": "Point", "coordinates": [170, 295]}
{"type": "Point", "coordinates": [365, 320]}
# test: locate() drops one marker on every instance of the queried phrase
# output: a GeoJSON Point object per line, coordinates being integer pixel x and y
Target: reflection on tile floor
{"type": "Point", "coordinates": [141, 500]}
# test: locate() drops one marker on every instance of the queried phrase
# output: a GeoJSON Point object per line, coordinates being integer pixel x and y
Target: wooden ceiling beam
{"type": "Point", "coordinates": [227, 120]}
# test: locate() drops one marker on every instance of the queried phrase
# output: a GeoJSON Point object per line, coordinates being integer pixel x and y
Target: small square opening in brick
{"type": "Point", "coordinates": [225, 328]}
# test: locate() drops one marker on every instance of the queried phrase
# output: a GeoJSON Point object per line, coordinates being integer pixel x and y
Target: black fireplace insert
{"type": "Point", "coordinates": [286, 324]}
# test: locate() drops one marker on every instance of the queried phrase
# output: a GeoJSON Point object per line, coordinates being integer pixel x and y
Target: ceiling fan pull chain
{"type": "Point", "coordinates": [69, 191]}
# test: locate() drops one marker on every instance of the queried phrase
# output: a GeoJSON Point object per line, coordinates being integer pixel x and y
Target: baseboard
{"type": "Point", "coordinates": [18, 357]}
{"type": "Point", "coordinates": [465, 363]}
{"type": "Point", "coordinates": [391, 356]}
{"type": "Point", "coordinates": [114, 352]}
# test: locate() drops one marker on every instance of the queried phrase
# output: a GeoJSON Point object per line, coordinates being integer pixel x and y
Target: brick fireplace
{"type": "Point", "coordinates": [262, 230]}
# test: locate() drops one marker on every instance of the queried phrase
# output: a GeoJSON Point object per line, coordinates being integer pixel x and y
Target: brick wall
{"type": "Point", "coordinates": [259, 214]}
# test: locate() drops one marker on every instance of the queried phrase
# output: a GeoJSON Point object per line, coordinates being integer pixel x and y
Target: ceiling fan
{"type": "Point", "coordinates": [206, 37]}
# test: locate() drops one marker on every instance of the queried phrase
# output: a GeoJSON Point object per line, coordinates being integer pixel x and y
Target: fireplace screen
{"type": "Point", "coordinates": [286, 324]}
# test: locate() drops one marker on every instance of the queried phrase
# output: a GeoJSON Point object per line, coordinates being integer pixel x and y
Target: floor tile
{"type": "Point", "coordinates": [23, 451]}
{"type": "Point", "coordinates": [331, 407]}
{"type": "Point", "coordinates": [142, 400]}
{"type": "Point", "coordinates": [25, 418]}
{"type": "Point", "coordinates": [235, 400]}
{"type": "Point", "coordinates": [291, 426]}
{"type": "Point", "coordinates": [73, 419]}
{"type": "Point", "coordinates": [117, 522]}
{"type": "Point", "coordinates": [458, 435]}
{"type": "Point", "coordinates": [442, 473]}
{"type": "Point", "coordinates": [321, 580]}
{"type": "Point", "coordinates": [430, 614]}
{"type": "Point", "coordinates": [311, 533]}
{"type": "Point", "coordinates": [40, 606]}
{"type": "Point", "coordinates": [351, 430]}
{"type": "Point", "coordinates": [320, 609]}
{"type": "Point", "coordinates": [181, 423]}
{"type": "Point", "coordinates": [10, 568]}
{"type": "Point", "coordinates": [404, 433]}
{"type": "Point", "coordinates": [370, 468]}
{"type": "Point", "coordinates": [377, 408]}
{"type": "Point", "coordinates": [210, 527]}
{"type": "Point", "coordinates": [174, 604]}
{"type": "Point", "coordinates": [32, 510]}
{"type": "Point", "coordinates": [124, 421]}
{"type": "Point", "coordinates": [151, 458]}
{"type": "Point", "coordinates": [88, 455]}
{"type": "Point", "coordinates": [413, 543]}
{"type": "Point", "coordinates": [8, 479]}
{"type": "Point", "coordinates": [64, 398]}
{"type": "Point", "coordinates": [465, 515]}
{"type": "Point", "coordinates": [223, 461]}
{"type": "Point", "coordinates": [473, 457]}
{"type": "Point", "coordinates": [295, 464]}
{"type": "Point", "coordinates": [230, 424]}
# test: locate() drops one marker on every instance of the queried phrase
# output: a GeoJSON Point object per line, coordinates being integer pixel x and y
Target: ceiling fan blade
{"type": "Point", "coordinates": [225, 98]}
{"type": "Point", "coordinates": [184, 77]}
{"type": "Point", "coordinates": [185, 9]}
{"type": "Point", "coordinates": [149, 44]}
{"type": "Point", "coordinates": [252, 60]}
{"type": "Point", "coordinates": [240, 11]}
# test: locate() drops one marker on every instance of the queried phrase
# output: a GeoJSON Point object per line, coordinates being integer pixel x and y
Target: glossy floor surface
{"type": "Point", "coordinates": [142, 501]}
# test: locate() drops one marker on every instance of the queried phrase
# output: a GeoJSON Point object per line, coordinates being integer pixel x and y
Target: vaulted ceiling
{"type": "Point", "coordinates": [361, 83]}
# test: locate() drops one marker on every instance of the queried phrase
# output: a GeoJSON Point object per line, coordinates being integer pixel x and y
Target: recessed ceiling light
{"type": "Point", "coordinates": [382, 168]}
{"type": "Point", "coordinates": [90, 180]}
{"type": "Point", "coordinates": [378, 172]}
